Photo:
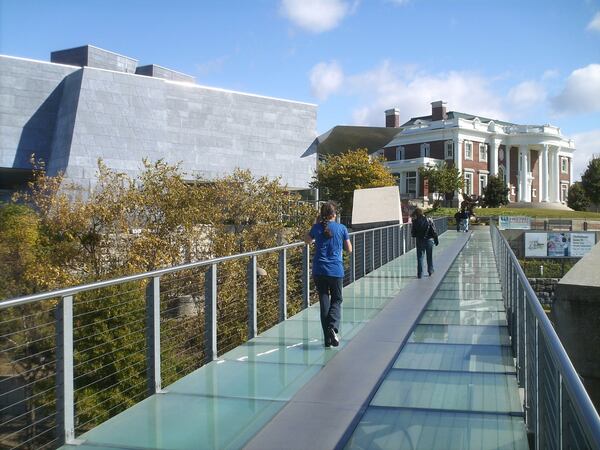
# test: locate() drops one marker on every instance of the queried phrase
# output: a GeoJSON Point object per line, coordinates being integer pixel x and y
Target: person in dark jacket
{"type": "Point", "coordinates": [423, 229]}
{"type": "Point", "coordinates": [328, 268]}
{"type": "Point", "coordinates": [458, 218]}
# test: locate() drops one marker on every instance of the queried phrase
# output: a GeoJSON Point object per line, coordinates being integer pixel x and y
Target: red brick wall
{"type": "Point", "coordinates": [412, 151]}
{"type": "Point", "coordinates": [534, 164]}
{"type": "Point", "coordinates": [565, 176]}
{"type": "Point", "coordinates": [390, 153]}
{"type": "Point", "coordinates": [436, 149]}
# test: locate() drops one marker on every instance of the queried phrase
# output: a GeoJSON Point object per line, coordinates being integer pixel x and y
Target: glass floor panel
{"type": "Point", "coordinates": [465, 358]}
{"type": "Point", "coordinates": [464, 317]}
{"type": "Point", "coordinates": [274, 351]}
{"type": "Point", "coordinates": [460, 334]}
{"type": "Point", "coordinates": [361, 301]}
{"type": "Point", "coordinates": [348, 313]}
{"type": "Point", "coordinates": [409, 429]}
{"type": "Point", "coordinates": [183, 422]}
{"type": "Point", "coordinates": [457, 391]}
{"type": "Point", "coordinates": [304, 328]}
{"type": "Point", "coordinates": [468, 295]}
{"type": "Point", "coordinates": [471, 284]}
{"type": "Point", "coordinates": [462, 305]}
{"type": "Point", "coordinates": [248, 379]}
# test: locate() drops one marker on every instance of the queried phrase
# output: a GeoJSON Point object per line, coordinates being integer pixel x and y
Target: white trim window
{"type": "Point", "coordinates": [534, 192]}
{"type": "Point", "coordinates": [483, 181]}
{"type": "Point", "coordinates": [564, 165]}
{"type": "Point", "coordinates": [564, 192]}
{"type": "Point", "coordinates": [449, 150]}
{"type": "Point", "coordinates": [411, 184]}
{"type": "Point", "coordinates": [425, 149]}
{"type": "Point", "coordinates": [483, 152]}
{"type": "Point", "coordinates": [469, 150]}
{"type": "Point", "coordinates": [468, 187]}
{"type": "Point", "coordinates": [399, 153]}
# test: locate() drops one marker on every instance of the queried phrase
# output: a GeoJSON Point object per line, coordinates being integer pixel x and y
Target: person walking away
{"type": "Point", "coordinates": [328, 268]}
{"type": "Point", "coordinates": [458, 218]}
{"type": "Point", "coordinates": [465, 217]}
{"type": "Point", "coordinates": [423, 229]}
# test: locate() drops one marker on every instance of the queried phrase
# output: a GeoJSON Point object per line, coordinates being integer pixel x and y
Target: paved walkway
{"type": "Point", "coordinates": [284, 390]}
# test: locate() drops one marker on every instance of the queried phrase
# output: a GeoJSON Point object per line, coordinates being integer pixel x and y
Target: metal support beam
{"type": "Point", "coordinates": [282, 278]}
{"type": "Point", "coordinates": [65, 398]}
{"type": "Point", "coordinates": [153, 336]}
{"type": "Point", "coordinates": [305, 276]}
{"type": "Point", "coordinates": [252, 294]}
{"type": "Point", "coordinates": [210, 313]}
{"type": "Point", "coordinates": [352, 261]}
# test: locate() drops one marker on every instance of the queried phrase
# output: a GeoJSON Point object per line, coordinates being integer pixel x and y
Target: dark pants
{"type": "Point", "coordinates": [424, 246]}
{"type": "Point", "coordinates": [330, 300]}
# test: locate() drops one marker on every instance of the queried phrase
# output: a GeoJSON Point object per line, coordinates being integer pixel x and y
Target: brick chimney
{"type": "Point", "coordinates": [438, 110]}
{"type": "Point", "coordinates": [392, 118]}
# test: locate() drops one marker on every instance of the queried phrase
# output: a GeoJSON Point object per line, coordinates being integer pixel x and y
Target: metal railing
{"type": "Point", "coordinates": [72, 358]}
{"type": "Point", "coordinates": [558, 411]}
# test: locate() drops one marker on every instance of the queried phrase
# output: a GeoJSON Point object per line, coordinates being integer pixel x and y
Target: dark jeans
{"type": "Point", "coordinates": [330, 300]}
{"type": "Point", "coordinates": [424, 246]}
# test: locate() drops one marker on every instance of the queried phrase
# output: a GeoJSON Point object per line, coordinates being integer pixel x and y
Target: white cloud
{"type": "Point", "coordinates": [587, 145]}
{"type": "Point", "coordinates": [399, 2]}
{"type": "Point", "coordinates": [317, 16]}
{"type": "Point", "coordinates": [549, 74]}
{"type": "Point", "coordinates": [594, 25]}
{"type": "Point", "coordinates": [527, 94]}
{"type": "Point", "coordinates": [412, 92]}
{"type": "Point", "coordinates": [325, 79]}
{"type": "Point", "coordinates": [581, 93]}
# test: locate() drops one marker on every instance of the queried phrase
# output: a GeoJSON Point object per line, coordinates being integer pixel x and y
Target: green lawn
{"type": "Point", "coordinates": [530, 212]}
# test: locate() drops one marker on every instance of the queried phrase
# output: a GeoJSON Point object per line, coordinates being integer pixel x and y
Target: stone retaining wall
{"type": "Point", "coordinates": [544, 289]}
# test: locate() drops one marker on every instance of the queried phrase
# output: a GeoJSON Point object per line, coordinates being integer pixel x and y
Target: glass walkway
{"type": "Point", "coordinates": [452, 384]}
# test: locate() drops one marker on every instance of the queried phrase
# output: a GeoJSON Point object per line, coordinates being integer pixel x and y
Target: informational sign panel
{"type": "Point", "coordinates": [376, 205]}
{"type": "Point", "coordinates": [514, 223]}
{"type": "Point", "coordinates": [582, 243]}
{"type": "Point", "coordinates": [535, 244]}
{"type": "Point", "coordinates": [558, 245]}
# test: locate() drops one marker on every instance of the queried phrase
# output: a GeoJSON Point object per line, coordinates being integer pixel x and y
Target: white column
{"type": "Point", "coordinates": [402, 182]}
{"type": "Point", "coordinates": [544, 175]}
{"type": "Point", "coordinates": [555, 177]}
{"type": "Point", "coordinates": [507, 167]}
{"type": "Point", "coordinates": [523, 158]}
{"type": "Point", "coordinates": [493, 156]}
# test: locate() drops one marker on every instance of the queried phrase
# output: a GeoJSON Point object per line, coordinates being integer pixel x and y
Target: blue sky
{"type": "Point", "coordinates": [525, 61]}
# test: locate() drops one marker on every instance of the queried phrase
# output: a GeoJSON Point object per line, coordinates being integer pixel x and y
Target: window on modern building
{"type": "Point", "coordinates": [564, 192]}
{"type": "Point", "coordinates": [449, 150]}
{"type": "Point", "coordinates": [411, 184]}
{"type": "Point", "coordinates": [564, 165]}
{"type": "Point", "coordinates": [483, 152]}
{"type": "Point", "coordinates": [468, 150]}
{"type": "Point", "coordinates": [468, 188]}
{"type": "Point", "coordinates": [425, 150]}
{"type": "Point", "coordinates": [399, 153]}
{"type": "Point", "coordinates": [483, 181]}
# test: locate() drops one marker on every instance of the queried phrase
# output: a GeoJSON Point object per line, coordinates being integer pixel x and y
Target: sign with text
{"type": "Point", "coordinates": [558, 245]}
{"type": "Point", "coordinates": [514, 223]}
{"type": "Point", "coordinates": [535, 244]}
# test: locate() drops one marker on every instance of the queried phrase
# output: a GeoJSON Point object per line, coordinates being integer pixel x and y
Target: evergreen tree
{"type": "Point", "coordinates": [577, 199]}
{"type": "Point", "coordinates": [495, 193]}
{"type": "Point", "coordinates": [590, 181]}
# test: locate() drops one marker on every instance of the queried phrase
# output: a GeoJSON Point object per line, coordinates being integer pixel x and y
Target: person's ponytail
{"type": "Point", "coordinates": [328, 211]}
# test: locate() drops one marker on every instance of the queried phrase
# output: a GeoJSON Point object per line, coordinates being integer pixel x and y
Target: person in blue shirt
{"type": "Point", "coordinates": [328, 268]}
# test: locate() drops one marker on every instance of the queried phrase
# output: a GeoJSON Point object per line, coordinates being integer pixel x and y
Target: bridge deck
{"type": "Point", "coordinates": [451, 386]}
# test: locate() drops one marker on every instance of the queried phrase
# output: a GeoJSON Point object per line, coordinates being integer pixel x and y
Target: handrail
{"type": "Point", "coordinates": [154, 273]}
{"type": "Point", "coordinates": [581, 400]}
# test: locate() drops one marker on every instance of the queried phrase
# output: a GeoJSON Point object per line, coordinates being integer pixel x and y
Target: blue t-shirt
{"type": "Point", "coordinates": [327, 260]}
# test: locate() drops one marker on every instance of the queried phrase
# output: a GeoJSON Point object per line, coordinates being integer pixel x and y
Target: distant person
{"type": "Point", "coordinates": [423, 229]}
{"type": "Point", "coordinates": [457, 219]}
{"type": "Point", "coordinates": [328, 268]}
{"type": "Point", "coordinates": [465, 217]}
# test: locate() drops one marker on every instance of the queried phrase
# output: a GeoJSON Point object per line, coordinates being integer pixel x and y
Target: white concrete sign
{"type": "Point", "coordinates": [376, 205]}
{"type": "Point", "coordinates": [514, 223]}
{"type": "Point", "coordinates": [582, 243]}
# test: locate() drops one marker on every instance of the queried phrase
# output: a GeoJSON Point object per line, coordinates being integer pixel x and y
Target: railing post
{"type": "Point", "coordinates": [305, 276]}
{"type": "Point", "coordinates": [65, 398]}
{"type": "Point", "coordinates": [252, 294]}
{"type": "Point", "coordinates": [282, 276]}
{"type": "Point", "coordinates": [537, 385]}
{"type": "Point", "coordinates": [353, 261]}
{"type": "Point", "coordinates": [364, 253]}
{"type": "Point", "coordinates": [210, 313]}
{"type": "Point", "coordinates": [372, 251]}
{"type": "Point", "coordinates": [380, 247]}
{"type": "Point", "coordinates": [153, 336]}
